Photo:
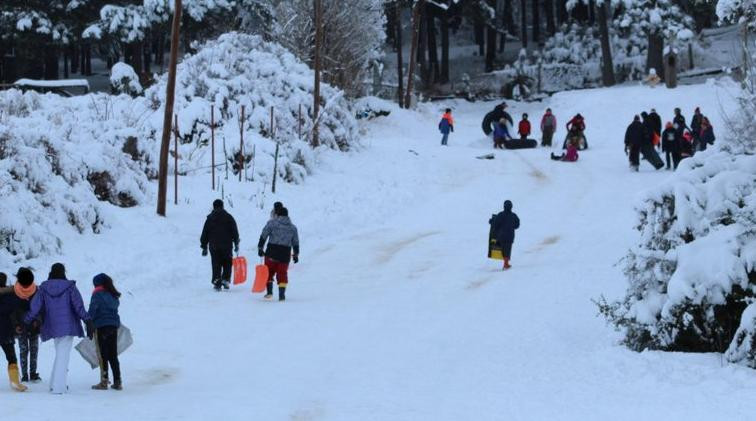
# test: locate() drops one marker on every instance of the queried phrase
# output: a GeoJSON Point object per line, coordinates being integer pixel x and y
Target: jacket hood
{"type": "Point", "coordinates": [56, 287]}
{"type": "Point", "coordinates": [282, 220]}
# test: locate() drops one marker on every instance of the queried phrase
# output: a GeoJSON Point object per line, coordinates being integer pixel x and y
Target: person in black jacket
{"type": "Point", "coordinates": [707, 134]}
{"type": "Point", "coordinates": [634, 138]}
{"type": "Point", "coordinates": [647, 147]}
{"type": "Point", "coordinates": [670, 145]}
{"type": "Point", "coordinates": [679, 120]}
{"type": "Point", "coordinates": [656, 121]}
{"type": "Point", "coordinates": [221, 234]}
{"type": "Point", "coordinates": [504, 225]}
{"type": "Point", "coordinates": [8, 306]}
{"type": "Point", "coordinates": [494, 116]}
{"type": "Point", "coordinates": [28, 336]}
{"type": "Point", "coordinates": [695, 127]}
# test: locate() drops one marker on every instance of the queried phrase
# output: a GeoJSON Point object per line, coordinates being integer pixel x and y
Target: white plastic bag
{"type": "Point", "coordinates": [88, 349]}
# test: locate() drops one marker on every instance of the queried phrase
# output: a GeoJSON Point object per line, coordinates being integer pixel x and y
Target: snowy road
{"type": "Point", "coordinates": [394, 313]}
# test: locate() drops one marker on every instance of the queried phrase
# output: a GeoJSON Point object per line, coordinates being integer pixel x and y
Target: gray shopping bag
{"type": "Point", "coordinates": [88, 349]}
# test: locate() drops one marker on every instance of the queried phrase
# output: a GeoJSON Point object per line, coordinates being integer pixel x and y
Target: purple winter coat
{"type": "Point", "coordinates": [63, 309]}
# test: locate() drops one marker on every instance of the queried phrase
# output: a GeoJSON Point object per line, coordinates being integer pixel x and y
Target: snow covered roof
{"type": "Point", "coordinates": [62, 83]}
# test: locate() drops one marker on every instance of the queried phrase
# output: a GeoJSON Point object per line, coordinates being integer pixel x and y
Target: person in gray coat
{"type": "Point", "coordinates": [282, 239]}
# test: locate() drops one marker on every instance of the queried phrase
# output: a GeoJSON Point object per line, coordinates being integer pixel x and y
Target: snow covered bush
{"type": "Point", "coordinates": [124, 80]}
{"type": "Point", "coordinates": [694, 270]}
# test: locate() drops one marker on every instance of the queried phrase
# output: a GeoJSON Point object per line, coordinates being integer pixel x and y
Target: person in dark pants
{"type": "Point", "coordinates": [656, 121]}
{"type": "Point", "coordinates": [221, 234]}
{"type": "Point", "coordinates": [283, 239]}
{"type": "Point", "coordinates": [28, 338]}
{"type": "Point", "coordinates": [695, 128]}
{"type": "Point", "coordinates": [679, 120]}
{"type": "Point", "coordinates": [633, 140]}
{"type": "Point", "coordinates": [707, 134]}
{"type": "Point", "coordinates": [670, 143]}
{"type": "Point", "coordinates": [493, 117]}
{"type": "Point", "coordinates": [647, 146]}
{"type": "Point", "coordinates": [504, 225]}
{"type": "Point", "coordinates": [8, 305]}
{"type": "Point", "coordinates": [103, 307]}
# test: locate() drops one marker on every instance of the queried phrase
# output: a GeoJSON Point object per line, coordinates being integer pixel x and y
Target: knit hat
{"type": "Point", "coordinates": [283, 212]}
{"type": "Point", "coordinates": [25, 276]}
{"type": "Point", "coordinates": [100, 279]}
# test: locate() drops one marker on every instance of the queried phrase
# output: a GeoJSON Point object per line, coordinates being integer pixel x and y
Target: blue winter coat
{"type": "Point", "coordinates": [501, 131]}
{"type": "Point", "coordinates": [504, 226]}
{"type": "Point", "coordinates": [444, 127]}
{"type": "Point", "coordinates": [103, 308]}
{"type": "Point", "coordinates": [60, 302]}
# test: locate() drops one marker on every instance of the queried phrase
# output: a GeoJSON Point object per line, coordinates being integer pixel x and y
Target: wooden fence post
{"type": "Point", "coordinates": [241, 143]}
{"type": "Point", "coordinates": [212, 142]}
{"type": "Point", "coordinates": [299, 122]}
{"type": "Point", "coordinates": [175, 159]}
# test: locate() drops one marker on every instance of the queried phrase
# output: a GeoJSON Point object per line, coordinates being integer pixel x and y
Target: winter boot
{"type": "Point", "coordinates": [117, 385]}
{"type": "Point", "coordinates": [13, 377]}
{"type": "Point", "coordinates": [24, 378]}
{"type": "Point", "coordinates": [226, 283]}
{"type": "Point", "coordinates": [35, 378]}
{"type": "Point", "coordinates": [216, 284]}
{"type": "Point", "coordinates": [281, 293]}
{"type": "Point", "coordinates": [269, 291]}
{"type": "Point", "coordinates": [103, 384]}
{"type": "Point", "coordinates": [506, 263]}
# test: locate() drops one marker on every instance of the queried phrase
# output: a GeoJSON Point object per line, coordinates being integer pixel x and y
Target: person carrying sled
{"type": "Point", "coordinates": [221, 234]}
{"type": "Point", "coordinates": [523, 128]}
{"type": "Point", "coordinates": [670, 145]}
{"type": "Point", "coordinates": [8, 305]}
{"type": "Point", "coordinates": [501, 134]}
{"type": "Point", "coordinates": [495, 116]}
{"type": "Point", "coordinates": [647, 149]}
{"type": "Point", "coordinates": [548, 127]}
{"type": "Point", "coordinates": [283, 246]}
{"type": "Point", "coordinates": [445, 126]}
{"type": "Point", "coordinates": [28, 337]}
{"type": "Point", "coordinates": [656, 122]}
{"type": "Point", "coordinates": [503, 226]}
{"type": "Point", "coordinates": [103, 307]}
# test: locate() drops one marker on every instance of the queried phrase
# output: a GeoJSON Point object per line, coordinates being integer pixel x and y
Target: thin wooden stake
{"type": "Point", "coordinates": [299, 122]}
{"type": "Point", "coordinates": [212, 142]}
{"type": "Point", "coordinates": [175, 159]}
{"type": "Point", "coordinates": [241, 143]}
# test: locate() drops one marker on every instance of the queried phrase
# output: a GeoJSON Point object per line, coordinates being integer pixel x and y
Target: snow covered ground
{"type": "Point", "coordinates": [394, 313]}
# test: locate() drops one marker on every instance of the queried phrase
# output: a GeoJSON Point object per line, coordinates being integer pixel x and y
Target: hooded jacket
{"type": "Point", "coordinates": [103, 307]}
{"type": "Point", "coordinates": [281, 236]}
{"type": "Point", "coordinates": [635, 134]}
{"type": "Point", "coordinates": [219, 231]}
{"type": "Point", "coordinates": [60, 302]}
{"type": "Point", "coordinates": [504, 226]}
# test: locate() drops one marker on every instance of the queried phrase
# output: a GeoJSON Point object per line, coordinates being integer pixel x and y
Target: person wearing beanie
{"type": "Point", "coordinates": [8, 304]}
{"type": "Point", "coordinates": [282, 238]}
{"type": "Point", "coordinates": [103, 307]}
{"type": "Point", "coordinates": [222, 235]}
{"type": "Point", "coordinates": [59, 301]}
{"type": "Point", "coordinates": [503, 226]}
{"type": "Point", "coordinates": [446, 126]}
{"type": "Point", "coordinates": [28, 338]}
{"type": "Point", "coordinates": [670, 141]}
{"type": "Point", "coordinates": [695, 125]}
{"type": "Point", "coordinates": [277, 206]}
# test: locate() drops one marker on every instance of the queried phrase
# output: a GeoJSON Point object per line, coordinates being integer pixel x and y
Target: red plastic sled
{"type": "Point", "coordinates": [240, 270]}
{"type": "Point", "coordinates": [261, 278]}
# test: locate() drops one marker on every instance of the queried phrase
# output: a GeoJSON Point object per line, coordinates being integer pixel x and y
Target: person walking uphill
{"type": "Point", "coordinates": [504, 225]}
{"type": "Point", "coordinates": [60, 302]}
{"type": "Point", "coordinates": [445, 126]}
{"type": "Point", "coordinates": [548, 127]}
{"type": "Point", "coordinates": [282, 238]}
{"type": "Point", "coordinates": [103, 307]}
{"type": "Point", "coordinates": [8, 304]}
{"type": "Point", "coordinates": [221, 234]}
{"type": "Point", "coordinates": [28, 338]}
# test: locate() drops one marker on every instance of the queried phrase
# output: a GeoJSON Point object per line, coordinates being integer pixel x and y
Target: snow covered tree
{"type": "Point", "coordinates": [607, 63]}
{"type": "Point", "coordinates": [738, 11]}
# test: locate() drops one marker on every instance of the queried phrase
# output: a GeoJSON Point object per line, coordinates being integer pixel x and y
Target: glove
{"type": "Point", "coordinates": [236, 247]}
{"type": "Point", "coordinates": [260, 252]}
{"type": "Point", "coordinates": [90, 329]}
{"type": "Point", "coordinates": [296, 258]}
{"type": "Point", "coordinates": [204, 251]}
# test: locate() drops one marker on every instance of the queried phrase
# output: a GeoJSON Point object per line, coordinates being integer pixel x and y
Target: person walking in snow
{"type": "Point", "coordinates": [277, 206]}
{"type": "Point", "coordinates": [679, 120]}
{"type": "Point", "coordinates": [282, 241]}
{"type": "Point", "coordinates": [706, 136]}
{"type": "Point", "coordinates": [670, 145]}
{"type": "Point", "coordinates": [8, 305]}
{"type": "Point", "coordinates": [647, 149]}
{"type": "Point", "coordinates": [695, 127]}
{"type": "Point", "coordinates": [523, 129]}
{"type": "Point", "coordinates": [548, 127]}
{"type": "Point", "coordinates": [501, 134]}
{"type": "Point", "coordinates": [656, 122]}
{"type": "Point", "coordinates": [222, 236]}
{"type": "Point", "coordinates": [504, 225]}
{"type": "Point", "coordinates": [59, 302]}
{"type": "Point", "coordinates": [445, 126]}
{"type": "Point", "coordinates": [103, 307]}
{"type": "Point", "coordinates": [634, 138]}
{"type": "Point", "coordinates": [494, 117]}
{"type": "Point", "coordinates": [28, 337]}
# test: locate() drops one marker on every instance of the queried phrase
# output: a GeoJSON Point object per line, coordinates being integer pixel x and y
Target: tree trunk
{"type": "Point", "coordinates": [444, 47]}
{"type": "Point", "coordinates": [170, 92]}
{"type": "Point", "coordinates": [316, 90]}
{"type": "Point", "coordinates": [88, 60]}
{"type": "Point", "coordinates": [479, 29]}
{"type": "Point", "coordinates": [136, 51]}
{"type": "Point", "coordinates": [74, 58]}
{"type": "Point", "coordinates": [655, 58]}
{"type": "Point", "coordinates": [561, 9]}
{"type": "Point", "coordinates": [607, 64]}
{"type": "Point", "coordinates": [413, 52]}
{"type": "Point", "coordinates": [399, 61]}
{"type": "Point", "coordinates": [391, 22]}
{"type": "Point", "coordinates": [147, 56]}
{"type": "Point", "coordinates": [548, 6]}
{"type": "Point", "coordinates": [524, 23]}
{"type": "Point", "coordinates": [509, 24]}
{"type": "Point", "coordinates": [65, 63]}
{"type": "Point", "coordinates": [491, 40]}
{"type": "Point", "coordinates": [536, 4]}
{"type": "Point", "coordinates": [435, 74]}
{"type": "Point", "coordinates": [51, 63]}
{"type": "Point", "coordinates": [422, 61]}
{"type": "Point", "coordinates": [592, 12]}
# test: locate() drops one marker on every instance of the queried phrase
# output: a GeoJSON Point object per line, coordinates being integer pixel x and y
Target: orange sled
{"type": "Point", "coordinates": [240, 270]}
{"type": "Point", "coordinates": [261, 278]}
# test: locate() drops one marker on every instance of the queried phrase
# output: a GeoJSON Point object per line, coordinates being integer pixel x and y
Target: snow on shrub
{"type": "Point", "coordinates": [124, 80]}
{"type": "Point", "coordinates": [694, 270]}
{"type": "Point", "coordinates": [244, 70]}
{"type": "Point", "coordinates": [58, 158]}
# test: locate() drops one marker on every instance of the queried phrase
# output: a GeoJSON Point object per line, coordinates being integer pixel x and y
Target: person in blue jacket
{"type": "Point", "coordinates": [103, 308]}
{"type": "Point", "coordinates": [446, 126]}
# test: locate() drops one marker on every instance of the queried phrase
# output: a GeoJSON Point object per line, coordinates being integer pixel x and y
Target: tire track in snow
{"type": "Point", "coordinates": [388, 252]}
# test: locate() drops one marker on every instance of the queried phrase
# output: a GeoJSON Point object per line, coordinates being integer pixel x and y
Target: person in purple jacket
{"type": "Point", "coordinates": [60, 302]}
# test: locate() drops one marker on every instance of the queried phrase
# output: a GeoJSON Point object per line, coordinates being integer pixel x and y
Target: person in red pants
{"type": "Point", "coordinates": [283, 246]}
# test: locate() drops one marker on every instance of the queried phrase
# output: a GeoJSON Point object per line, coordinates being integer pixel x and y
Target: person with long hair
{"type": "Point", "coordinates": [103, 307]}
{"type": "Point", "coordinates": [60, 302]}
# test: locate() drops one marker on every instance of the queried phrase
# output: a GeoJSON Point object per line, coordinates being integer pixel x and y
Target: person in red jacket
{"type": "Point", "coordinates": [524, 127]}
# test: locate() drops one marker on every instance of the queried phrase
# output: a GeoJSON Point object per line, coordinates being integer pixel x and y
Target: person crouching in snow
{"type": "Point", "coordinates": [445, 126]}
{"type": "Point", "coordinates": [282, 238]}
{"type": "Point", "coordinates": [572, 152]}
{"type": "Point", "coordinates": [523, 128]}
{"type": "Point", "coordinates": [28, 338]}
{"type": "Point", "coordinates": [103, 307]}
{"type": "Point", "coordinates": [8, 305]}
{"type": "Point", "coordinates": [501, 134]}
{"type": "Point", "coordinates": [504, 225]}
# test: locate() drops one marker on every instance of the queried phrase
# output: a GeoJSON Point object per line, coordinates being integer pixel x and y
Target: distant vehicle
{"type": "Point", "coordinates": [64, 87]}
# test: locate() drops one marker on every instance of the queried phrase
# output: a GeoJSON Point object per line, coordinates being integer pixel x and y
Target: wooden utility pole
{"type": "Point", "coordinates": [413, 51]}
{"type": "Point", "coordinates": [170, 92]}
{"type": "Point", "coordinates": [212, 142]}
{"type": "Point", "coordinates": [607, 64]}
{"type": "Point", "coordinates": [318, 5]}
{"type": "Point", "coordinates": [241, 143]}
{"type": "Point", "coordinates": [175, 159]}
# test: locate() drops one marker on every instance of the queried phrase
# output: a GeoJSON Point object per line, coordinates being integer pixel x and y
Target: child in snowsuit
{"type": "Point", "coordinates": [669, 145]}
{"type": "Point", "coordinates": [570, 156]}
{"type": "Point", "coordinates": [523, 128]}
{"type": "Point", "coordinates": [445, 126]}
{"type": "Point", "coordinates": [282, 238]}
{"type": "Point", "coordinates": [501, 134]}
{"type": "Point", "coordinates": [103, 308]}
{"type": "Point", "coordinates": [28, 337]}
{"type": "Point", "coordinates": [8, 304]}
{"type": "Point", "coordinates": [548, 127]}
{"type": "Point", "coordinates": [504, 225]}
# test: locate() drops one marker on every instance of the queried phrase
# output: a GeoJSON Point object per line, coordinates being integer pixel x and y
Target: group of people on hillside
{"type": "Point", "coordinates": [676, 141]}
{"type": "Point", "coordinates": [55, 310]}
{"type": "Point", "coordinates": [220, 235]}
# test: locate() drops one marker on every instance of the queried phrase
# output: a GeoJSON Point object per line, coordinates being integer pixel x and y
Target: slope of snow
{"type": "Point", "coordinates": [394, 313]}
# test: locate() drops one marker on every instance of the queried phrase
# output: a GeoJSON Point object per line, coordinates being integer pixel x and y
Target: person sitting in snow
{"type": "Point", "coordinates": [570, 156]}
{"type": "Point", "coordinates": [221, 234]}
{"type": "Point", "coordinates": [523, 129]}
{"type": "Point", "coordinates": [445, 126]}
{"type": "Point", "coordinates": [504, 225]}
{"type": "Point", "coordinates": [282, 239]}
{"type": "Point", "coordinates": [501, 134]}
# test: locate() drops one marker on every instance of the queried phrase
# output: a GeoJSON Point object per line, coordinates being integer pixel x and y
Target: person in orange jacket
{"type": "Point", "coordinates": [524, 127]}
{"type": "Point", "coordinates": [446, 126]}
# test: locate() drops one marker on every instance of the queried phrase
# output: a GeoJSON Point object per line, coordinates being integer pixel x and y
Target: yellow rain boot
{"type": "Point", "coordinates": [13, 376]}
